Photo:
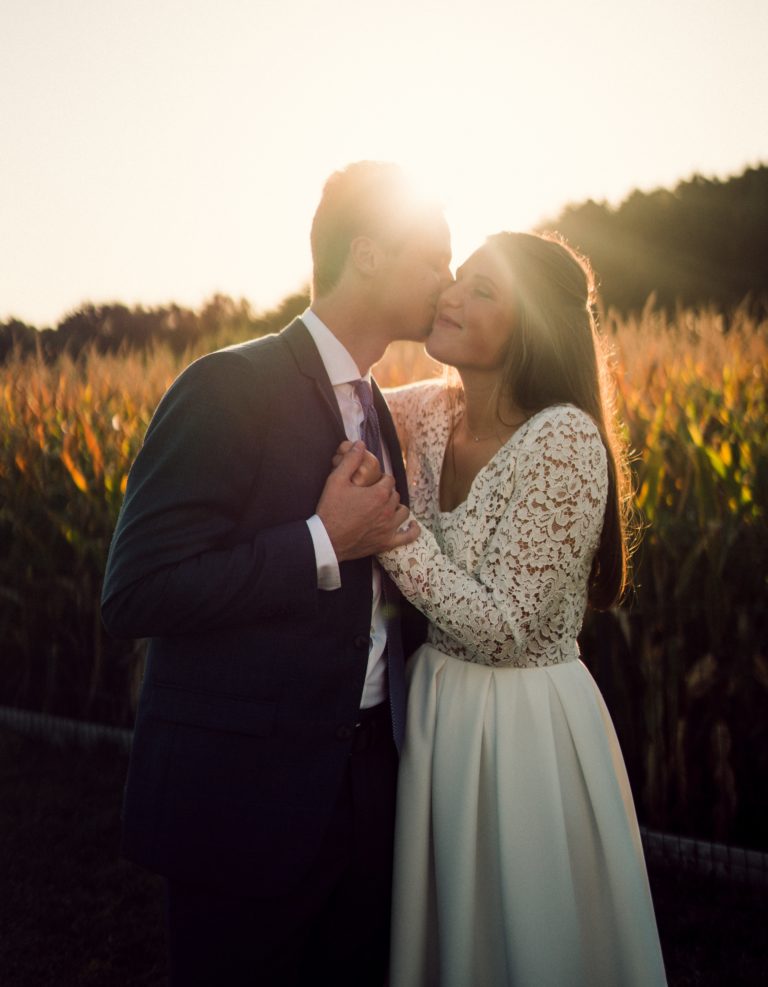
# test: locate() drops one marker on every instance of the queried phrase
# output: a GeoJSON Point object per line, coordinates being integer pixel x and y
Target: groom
{"type": "Point", "coordinates": [263, 769]}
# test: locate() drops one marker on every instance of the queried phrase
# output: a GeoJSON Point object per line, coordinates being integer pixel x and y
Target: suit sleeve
{"type": "Point", "coordinates": [178, 562]}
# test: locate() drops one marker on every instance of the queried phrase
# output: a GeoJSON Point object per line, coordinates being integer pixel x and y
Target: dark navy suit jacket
{"type": "Point", "coordinates": [254, 676]}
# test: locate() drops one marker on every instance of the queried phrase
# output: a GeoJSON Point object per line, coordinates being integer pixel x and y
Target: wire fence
{"type": "Point", "coordinates": [60, 730]}
{"type": "Point", "coordinates": [733, 865]}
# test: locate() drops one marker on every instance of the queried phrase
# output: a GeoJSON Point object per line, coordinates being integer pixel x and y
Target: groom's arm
{"type": "Point", "coordinates": [177, 564]}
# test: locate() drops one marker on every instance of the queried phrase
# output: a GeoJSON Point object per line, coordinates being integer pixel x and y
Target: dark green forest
{"type": "Point", "coordinates": [703, 243]}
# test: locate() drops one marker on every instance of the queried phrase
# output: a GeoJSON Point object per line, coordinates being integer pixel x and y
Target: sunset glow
{"type": "Point", "coordinates": [166, 150]}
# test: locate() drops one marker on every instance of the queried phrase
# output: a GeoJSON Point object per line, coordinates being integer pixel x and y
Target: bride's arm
{"type": "Point", "coordinates": [544, 543]}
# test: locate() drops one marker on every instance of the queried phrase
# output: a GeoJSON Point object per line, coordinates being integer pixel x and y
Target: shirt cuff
{"type": "Point", "coordinates": [328, 575]}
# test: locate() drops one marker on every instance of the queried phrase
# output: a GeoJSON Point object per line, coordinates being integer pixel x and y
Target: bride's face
{"type": "Point", "coordinates": [475, 315]}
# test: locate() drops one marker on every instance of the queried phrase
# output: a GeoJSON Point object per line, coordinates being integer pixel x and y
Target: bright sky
{"type": "Point", "coordinates": [163, 150]}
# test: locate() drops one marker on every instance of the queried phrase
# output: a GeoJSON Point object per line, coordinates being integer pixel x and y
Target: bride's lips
{"type": "Point", "coordinates": [446, 321]}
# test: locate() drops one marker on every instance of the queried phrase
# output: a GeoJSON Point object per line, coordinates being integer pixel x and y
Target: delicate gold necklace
{"type": "Point", "coordinates": [483, 438]}
{"type": "Point", "coordinates": [477, 438]}
{"type": "Point", "coordinates": [491, 435]}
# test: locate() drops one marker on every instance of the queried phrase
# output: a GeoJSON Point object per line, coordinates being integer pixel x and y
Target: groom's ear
{"type": "Point", "coordinates": [365, 255]}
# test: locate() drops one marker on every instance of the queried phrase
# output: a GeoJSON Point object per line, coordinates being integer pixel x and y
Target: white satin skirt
{"type": "Point", "coordinates": [518, 858]}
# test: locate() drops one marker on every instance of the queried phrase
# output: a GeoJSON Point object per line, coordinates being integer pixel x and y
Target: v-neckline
{"type": "Point", "coordinates": [451, 421]}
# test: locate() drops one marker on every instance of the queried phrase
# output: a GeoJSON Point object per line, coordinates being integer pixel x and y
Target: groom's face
{"type": "Point", "coordinates": [413, 277]}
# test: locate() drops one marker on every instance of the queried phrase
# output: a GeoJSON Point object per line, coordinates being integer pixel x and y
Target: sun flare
{"type": "Point", "coordinates": [477, 201]}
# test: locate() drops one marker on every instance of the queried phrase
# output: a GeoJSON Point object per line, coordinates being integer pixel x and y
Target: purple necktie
{"type": "Point", "coordinates": [370, 433]}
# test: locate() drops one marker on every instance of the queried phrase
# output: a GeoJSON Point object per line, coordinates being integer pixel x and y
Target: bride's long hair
{"type": "Point", "coordinates": [556, 355]}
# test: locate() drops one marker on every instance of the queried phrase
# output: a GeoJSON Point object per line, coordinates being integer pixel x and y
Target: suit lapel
{"type": "Point", "coordinates": [389, 436]}
{"type": "Point", "coordinates": [308, 360]}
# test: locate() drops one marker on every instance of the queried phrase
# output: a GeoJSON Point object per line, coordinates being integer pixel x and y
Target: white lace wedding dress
{"type": "Point", "coordinates": [518, 858]}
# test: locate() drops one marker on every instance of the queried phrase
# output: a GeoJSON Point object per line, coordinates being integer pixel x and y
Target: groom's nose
{"type": "Point", "coordinates": [447, 295]}
{"type": "Point", "coordinates": [446, 279]}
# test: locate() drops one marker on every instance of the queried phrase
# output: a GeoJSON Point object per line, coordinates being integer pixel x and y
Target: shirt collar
{"type": "Point", "coordinates": [337, 360]}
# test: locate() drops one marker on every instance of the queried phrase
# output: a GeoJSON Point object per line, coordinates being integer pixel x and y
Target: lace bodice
{"type": "Point", "coordinates": [503, 577]}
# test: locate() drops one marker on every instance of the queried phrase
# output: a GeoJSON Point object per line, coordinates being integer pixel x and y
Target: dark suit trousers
{"type": "Point", "coordinates": [334, 927]}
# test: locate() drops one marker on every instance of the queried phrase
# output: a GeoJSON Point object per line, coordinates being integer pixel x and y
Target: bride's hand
{"type": "Point", "coordinates": [367, 473]}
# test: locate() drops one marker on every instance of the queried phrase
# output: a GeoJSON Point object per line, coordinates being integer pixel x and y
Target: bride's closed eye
{"type": "Point", "coordinates": [483, 288]}
{"type": "Point", "coordinates": [481, 292]}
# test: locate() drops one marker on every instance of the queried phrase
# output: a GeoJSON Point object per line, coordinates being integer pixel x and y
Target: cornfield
{"type": "Point", "coordinates": [683, 664]}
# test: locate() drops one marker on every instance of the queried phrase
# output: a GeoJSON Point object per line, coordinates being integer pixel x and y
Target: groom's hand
{"type": "Point", "coordinates": [362, 521]}
{"type": "Point", "coordinates": [367, 473]}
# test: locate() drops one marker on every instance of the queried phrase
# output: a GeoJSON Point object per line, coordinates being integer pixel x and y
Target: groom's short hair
{"type": "Point", "coordinates": [367, 198]}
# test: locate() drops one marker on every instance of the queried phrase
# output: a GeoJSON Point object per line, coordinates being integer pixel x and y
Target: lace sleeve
{"type": "Point", "coordinates": [407, 406]}
{"type": "Point", "coordinates": [512, 608]}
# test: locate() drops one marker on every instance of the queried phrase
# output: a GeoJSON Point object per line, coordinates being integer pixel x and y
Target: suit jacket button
{"type": "Point", "coordinates": [361, 641]}
{"type": "Point", "coordinates": [344, 732]}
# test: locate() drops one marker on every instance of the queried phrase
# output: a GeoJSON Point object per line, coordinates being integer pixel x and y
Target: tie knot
{"type": "Point", "coordinates": [364, 394]}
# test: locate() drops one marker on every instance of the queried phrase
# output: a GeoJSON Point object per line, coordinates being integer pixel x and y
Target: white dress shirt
{"type": "Point", "coordinates": [343, 371]}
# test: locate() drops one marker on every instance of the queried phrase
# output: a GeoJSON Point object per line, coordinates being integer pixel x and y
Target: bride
{"type": "Point", "coordinates": [518, 858]}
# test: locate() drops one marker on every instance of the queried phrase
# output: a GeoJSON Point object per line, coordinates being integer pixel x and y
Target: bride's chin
{"type": "Point", "coordinates": [437, 353]}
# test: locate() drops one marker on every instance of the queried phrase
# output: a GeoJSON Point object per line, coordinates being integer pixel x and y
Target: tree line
{"type": "Point", "coordinates": [703, 243]}
{"type": "Point", "coordinates": [115, 327]}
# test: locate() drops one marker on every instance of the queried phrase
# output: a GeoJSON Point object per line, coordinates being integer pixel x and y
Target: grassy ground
{"type": "Point", "coordinates": [73, 913]}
